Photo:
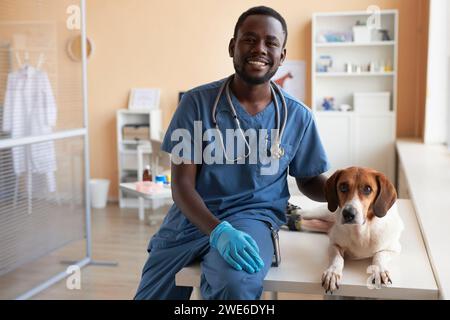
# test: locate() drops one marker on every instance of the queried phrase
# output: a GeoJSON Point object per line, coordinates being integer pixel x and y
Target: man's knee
{"type": "Point", "coordinates": [240, 285]}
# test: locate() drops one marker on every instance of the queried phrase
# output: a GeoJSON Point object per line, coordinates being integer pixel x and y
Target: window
{"type": "Point", "coordinates": [437, 113]}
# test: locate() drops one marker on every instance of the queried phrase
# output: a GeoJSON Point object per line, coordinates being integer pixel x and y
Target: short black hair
{"type": "Point", "coordinates": [261, 10]}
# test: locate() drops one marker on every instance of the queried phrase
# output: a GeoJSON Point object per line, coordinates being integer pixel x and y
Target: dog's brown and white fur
{"type": "Point", "coordinates": [364, 222]}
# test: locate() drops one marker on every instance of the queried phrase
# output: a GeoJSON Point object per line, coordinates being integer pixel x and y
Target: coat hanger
{"type": "Point", "coordinates": [25, 64]}
{"type": "Point", "coordinates": [26, 60]}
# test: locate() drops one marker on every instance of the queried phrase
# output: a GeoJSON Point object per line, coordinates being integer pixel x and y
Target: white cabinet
{"type": "Point", "coordinates": [374, 139]}
{"type": "Point", "coordinates": [336, 135]}
{"type": "Point", "coordinates": [358, 140]}
{"type": "Point", "coordinates": [342, 68]}
{"type": "Point", "coordinates": [127, 157]}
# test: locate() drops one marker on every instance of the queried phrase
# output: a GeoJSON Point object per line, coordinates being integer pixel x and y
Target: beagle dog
{"type": "Point", "coordinates": [362, 222]}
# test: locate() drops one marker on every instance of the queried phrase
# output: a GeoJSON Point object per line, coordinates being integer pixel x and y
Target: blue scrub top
{"type": "Point", "coordinates": [236, 191]}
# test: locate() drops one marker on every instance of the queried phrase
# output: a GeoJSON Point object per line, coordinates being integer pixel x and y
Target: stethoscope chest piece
{"type": "Point", "coordinates": [277, 151]}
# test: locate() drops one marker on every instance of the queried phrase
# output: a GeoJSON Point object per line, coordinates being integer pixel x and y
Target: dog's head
{"type": "Point", "coordinates": [360, 194]}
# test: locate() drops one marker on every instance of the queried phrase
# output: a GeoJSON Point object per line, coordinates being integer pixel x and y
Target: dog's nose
{"type": "Point", "coordinates": [349, 214]}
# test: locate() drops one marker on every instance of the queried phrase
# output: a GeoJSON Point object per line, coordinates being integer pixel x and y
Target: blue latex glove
{"type": "Point", "coordinates": [236, 247]}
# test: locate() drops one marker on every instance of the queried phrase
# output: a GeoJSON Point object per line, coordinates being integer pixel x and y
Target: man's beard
{"type": "Point", "coordinates": [253, 80]}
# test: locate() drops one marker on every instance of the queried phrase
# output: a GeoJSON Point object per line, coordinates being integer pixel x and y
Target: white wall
{"type": "Point", "coordinates": [448, 76]}
{"type": "Point", "coordinates": [437, 109]}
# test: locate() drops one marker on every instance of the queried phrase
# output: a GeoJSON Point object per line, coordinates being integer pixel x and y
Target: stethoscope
{"type": "Point", "coordinates": [276, 150]}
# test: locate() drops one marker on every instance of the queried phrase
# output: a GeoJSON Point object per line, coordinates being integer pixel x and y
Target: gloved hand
{"type": "Point", "coordinates": [236, 247]}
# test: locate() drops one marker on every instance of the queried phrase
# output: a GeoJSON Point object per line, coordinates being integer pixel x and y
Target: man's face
{"type": "Point", "coordinates": [257, 50]}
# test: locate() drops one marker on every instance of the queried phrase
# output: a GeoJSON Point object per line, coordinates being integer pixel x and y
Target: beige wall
{"type": "Point", "coordinates": [175, 45]}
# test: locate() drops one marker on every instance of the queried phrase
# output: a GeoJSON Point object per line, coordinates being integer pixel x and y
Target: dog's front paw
{"type": "Point", "coordinates": [293, 217]}
{"type": "Point", "coordinates": [331, 279]}
{"type": "Point", "coordinates": [379, 277]}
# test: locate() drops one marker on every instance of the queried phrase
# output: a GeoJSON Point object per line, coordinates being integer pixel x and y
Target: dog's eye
{"type": "Point", "coordinates": [367, 190]}
{"type": "Point", "coordinates": [343, 188]}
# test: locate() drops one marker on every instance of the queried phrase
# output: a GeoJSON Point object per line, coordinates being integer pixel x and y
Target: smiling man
{"type": "Point", "coordinates": [224, 212]}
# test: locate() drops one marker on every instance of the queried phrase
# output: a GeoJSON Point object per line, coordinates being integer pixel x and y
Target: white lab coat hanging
{"type": "Point", "coordinates": [30, 110]}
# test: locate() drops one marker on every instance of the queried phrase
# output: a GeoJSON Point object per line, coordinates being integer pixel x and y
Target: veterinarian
{"type": "Point", "coordinates": [223, 212]}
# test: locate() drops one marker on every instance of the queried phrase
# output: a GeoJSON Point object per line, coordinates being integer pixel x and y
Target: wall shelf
{"type": "Point", "coordinates": [352, 113]}
{"type": "Point", "coordinates": [361, 74]}
{"type": "Point", "coordinates": [354, 44]}
{"type": "Point", "coordinates": [135, 141]}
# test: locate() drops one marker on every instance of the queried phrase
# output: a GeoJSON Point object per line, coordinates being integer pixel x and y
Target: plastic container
{"type": "Point", "coordinates": [161, 179]}
{"type": "Point", "coordinates": [99, 192]}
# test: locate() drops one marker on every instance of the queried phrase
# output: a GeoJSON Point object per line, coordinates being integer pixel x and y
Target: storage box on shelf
{"type": "Point", "coordinates": [134, 127]}
{"type": "Point", "coordinates": [363, 79]}
{"type": "Point", "coordinates": [136, 132]}
{"type": "Point", "coordinates": [362, 34]}
{"type": "Point", "coordinates": [372, 102]}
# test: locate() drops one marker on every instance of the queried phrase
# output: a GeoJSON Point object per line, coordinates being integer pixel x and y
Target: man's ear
{"type": "Point", "coordinates": [283, 56]}
{"type": "Point", "coordinates": [386, 196]}
{"type": "Point", "coordinates": [331, 191]}
{"type": "Point", "coordinates": [231, 47]}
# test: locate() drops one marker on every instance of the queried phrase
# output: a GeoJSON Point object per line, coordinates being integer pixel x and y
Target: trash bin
{"type": "Point", "coordinates": [99, 192]}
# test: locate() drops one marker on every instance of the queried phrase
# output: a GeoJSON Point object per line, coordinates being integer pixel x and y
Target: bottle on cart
{"type": "Point", "coordinates": [147, 176]}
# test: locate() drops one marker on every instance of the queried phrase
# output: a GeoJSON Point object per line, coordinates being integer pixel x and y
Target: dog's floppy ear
{"type": "Point", "coordinates": [386, 196]}
{"type": "Point", "coordinates": [331, 191]}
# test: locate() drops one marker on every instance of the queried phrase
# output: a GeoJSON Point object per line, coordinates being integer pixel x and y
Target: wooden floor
{"type": "Point", "coordinates": [118, 236]}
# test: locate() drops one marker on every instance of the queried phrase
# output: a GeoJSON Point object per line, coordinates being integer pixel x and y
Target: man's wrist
{"type": "Point", "coordinates": [217, 231]}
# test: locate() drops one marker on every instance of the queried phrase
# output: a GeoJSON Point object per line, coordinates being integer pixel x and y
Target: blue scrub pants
{"type": "Point", "coordinates": [219, 280]}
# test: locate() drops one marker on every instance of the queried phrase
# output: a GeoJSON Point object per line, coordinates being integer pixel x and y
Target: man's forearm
{"type": "Point", "coordinates": [193, 207]}
{"type": "Point", "coordinates": [313, 188]}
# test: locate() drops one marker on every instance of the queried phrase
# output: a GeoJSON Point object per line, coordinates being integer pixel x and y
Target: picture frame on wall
{"type": "Point", "coordinates": [144, 99]}
{"type": "Point", "coordinates": [291, 78]}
